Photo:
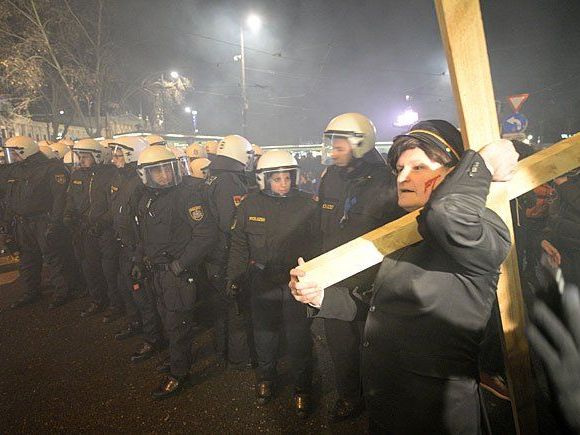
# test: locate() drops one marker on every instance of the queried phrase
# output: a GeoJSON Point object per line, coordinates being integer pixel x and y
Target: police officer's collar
{"type": "Point", "coordinates": [225, 164]}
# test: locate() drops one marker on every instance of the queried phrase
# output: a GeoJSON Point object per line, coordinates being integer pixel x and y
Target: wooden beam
{"type": "Point", "coordinates": [463, 37]}
{"type": "Point", "coordinates": [366, 251]}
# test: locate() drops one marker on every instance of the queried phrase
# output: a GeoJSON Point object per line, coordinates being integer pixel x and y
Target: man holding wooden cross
{"type": "Point", "coordinates": [464, 41]}
{"type": "Point", "coordinates": [431, 300]}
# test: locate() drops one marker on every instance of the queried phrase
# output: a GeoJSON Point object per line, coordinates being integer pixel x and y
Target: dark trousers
{"type": "Point", "coordinates": [34, 250]}
{"type": "Point", "coordinates": [274, 312]}
{"type": "Point", "coordinates": [231, 321]}
{"type": "Point", "coordinates": [100, 265]}
{"type": "Point", "coordinates": [62, 242]}
{"type": "Point", "coordinates": [125, 284]}
{"type": "Point", "coordinates": [175, 300]}
{"type": "Point", "coordinates": [344, 339]}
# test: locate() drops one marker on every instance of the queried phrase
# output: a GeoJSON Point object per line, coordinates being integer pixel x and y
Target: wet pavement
{"type": "Point", "coordinates": [61, 373]}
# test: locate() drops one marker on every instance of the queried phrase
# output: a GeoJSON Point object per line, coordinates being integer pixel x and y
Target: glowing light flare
{"type": "Point", "coordinates": [254, 23]}
{"type": "Point", "coordinates": [407, 118]}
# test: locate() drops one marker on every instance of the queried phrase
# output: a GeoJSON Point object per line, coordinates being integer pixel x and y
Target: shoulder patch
{"type": "Point", "coordinates": [114, 189]}
{"type": "Point", "coordinates": [327, 206]}
{"type": "Point", "coordinates": [196, 213]}
{"type": "Point", "coordinates": [210, 180]}
{"type": "Point", "coordinates": [60, 178]}
{"type": "Point", "coordinates": [238, 199]}
{"type": "Point", "coordinates": [256, 219]}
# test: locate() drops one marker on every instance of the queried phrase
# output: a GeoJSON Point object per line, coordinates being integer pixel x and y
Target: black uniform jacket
{"type": "Point", "coordinates": [126, 191]}
{"type": "Point", "coordinates": [89, 195]}
{"type": "Point", "coordinates": [224, 190]}
{"type": "Point", "coordinates": [271, 233]}
{"type": "Point", "coordinates": [35, 187]}
{"type": "Point", "coordinates": [353, 201]}
{"type": "Point", "coordinates": [175, 224]}
{"type": "Point", "coordinates": [430, 304]}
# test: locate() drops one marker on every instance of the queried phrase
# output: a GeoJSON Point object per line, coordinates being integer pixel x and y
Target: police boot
{"type": "Point", "coordinates": [92, 309]}
{"type": "Point", "coordinates": [132, 329]}
{"type": "Point", "coordinates": [264, 392]}
{"type": "Point", "coordinates": [345, 409]}
{"type": "Point", "coordinates": [302, 403]}
{"type": "Point", "coordinates": [146, 351]}
{"type": "Point", "coordinates": [170, 386]}
{"type": "Point", "coordinates": [23, 301]}
{"type": "Point", "coordinates": [164, 367]}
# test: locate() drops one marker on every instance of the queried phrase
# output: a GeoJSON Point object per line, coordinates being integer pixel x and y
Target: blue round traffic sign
{"type": "Point", "coordinates": [514, 123]}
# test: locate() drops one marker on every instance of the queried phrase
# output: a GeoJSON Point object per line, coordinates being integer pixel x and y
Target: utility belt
{"type": "Point", "coordinates": [157, 267]}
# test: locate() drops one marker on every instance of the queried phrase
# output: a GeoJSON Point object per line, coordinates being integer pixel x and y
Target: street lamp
{"type": "Point", "coordinates": [187, 109]}
{"type": "Point", "coordinates": [407, 118]}
{"type": "Point", "coordinates": [254, 23]}
{"type": "Point", "coordinates": [174, 75]}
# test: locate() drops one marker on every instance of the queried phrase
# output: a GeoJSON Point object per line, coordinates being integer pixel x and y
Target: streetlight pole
{"type": "Point", "coordinates": [244, 95]}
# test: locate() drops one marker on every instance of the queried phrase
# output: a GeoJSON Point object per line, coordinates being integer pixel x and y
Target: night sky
{"type": "Point", "coordinates": [315, 59]}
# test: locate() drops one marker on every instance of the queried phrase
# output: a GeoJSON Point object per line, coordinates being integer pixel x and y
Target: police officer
{"type": "Point", "coordinates": [199, 169]}
{"type": "Point", "coordinates": [100, 253]}
{"type": "Point", "coordinates": [211, 147]}
{"type": "Point", "coordinates": [126, 191]}
{"type": "Point", "coordinates": [154, 139]}
{"type": "Point", "coordinates": [225, 188]}
{"type": "Point", "coordinates": [177, 231]}
{"type": "Point", "coordinates": [62, 147]}
{"type": "Point", "coordinates": [195, 151]}
{"type": "Point", "coordinates": [357, 194]}
{"type": "Point", "coordinates": [273, 227]}
{"type": "Point", "coordinates": [35, 199]}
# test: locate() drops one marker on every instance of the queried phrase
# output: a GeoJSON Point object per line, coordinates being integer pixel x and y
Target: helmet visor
{"type": "Point", "coordinates": [12, 155]}
{"type": "Point", "coordinates": [330, 142]}
{"type": "Point", "coordinates": [119, 156]}
{"type": "Point", "coordinates": [184, 165]}
{"type": "Point", "coordinates": [161, 175]}
{"type": "Point", "coordinates": [85, 159]}
{"type": "Point", "coordinates": [280, 182]}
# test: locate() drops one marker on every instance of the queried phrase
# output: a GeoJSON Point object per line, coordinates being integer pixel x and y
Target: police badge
{"type": "Point", "coordinates": [196, 213]}
{"type": "Point", "coordinates": [60, 178]}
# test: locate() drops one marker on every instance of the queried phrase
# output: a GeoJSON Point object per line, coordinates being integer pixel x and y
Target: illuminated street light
{"type": "Point", "coordinates": [61, 112]}
{"type": "Point", "coordinates": [174, 74]}
{"type": "Point", "coordinates": [407, 118]}
{"type": "Point", "coordinates": [254, 23]}
{"type": "Point", "coordinates": [187, 109]}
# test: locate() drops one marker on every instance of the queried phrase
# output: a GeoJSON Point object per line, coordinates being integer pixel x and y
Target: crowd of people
{"type": "Point", "coordinates": [148, 230]}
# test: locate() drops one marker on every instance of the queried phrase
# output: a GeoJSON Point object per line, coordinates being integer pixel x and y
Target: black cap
{"type": "Point", "coordinates": [439, 133]}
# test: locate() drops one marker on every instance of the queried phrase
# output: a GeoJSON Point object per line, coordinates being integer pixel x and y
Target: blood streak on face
{"type": "Point", "coordinates": [430, 184]}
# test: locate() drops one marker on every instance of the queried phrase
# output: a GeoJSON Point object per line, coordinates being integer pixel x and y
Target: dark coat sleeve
{"type": "Point", "coordinates": [239, 254]}
{"type": "Point", "coordinates": [203, 229]}
{"type": "Point", "coordinates": [58, 179]}
{"type": "Point", "coordinates": [456, 219]}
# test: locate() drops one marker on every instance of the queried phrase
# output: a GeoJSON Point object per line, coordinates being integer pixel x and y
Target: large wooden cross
{"type": "Point", "coordinates": [464, 40]}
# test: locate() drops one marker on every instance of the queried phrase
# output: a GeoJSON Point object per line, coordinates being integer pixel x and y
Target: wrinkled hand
{"type": "Point", "coordinates": [303, 291]}
{"type": "Point", "coordinates": [176, 267]}
{"type": "Point", "coordinates": [559, 349]}
{"type": "Point", "coordinates": [137, 271]}
{"type": "Point", "coordinates": [232, 289]}
{"type": "Point", "coordinates": [552, 252]}
{"type": "Point", "coordinates": [501, 159]}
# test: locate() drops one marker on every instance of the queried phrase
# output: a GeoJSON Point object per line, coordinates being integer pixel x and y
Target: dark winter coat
{"type": "Point", "coordinates": [428, 311]}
